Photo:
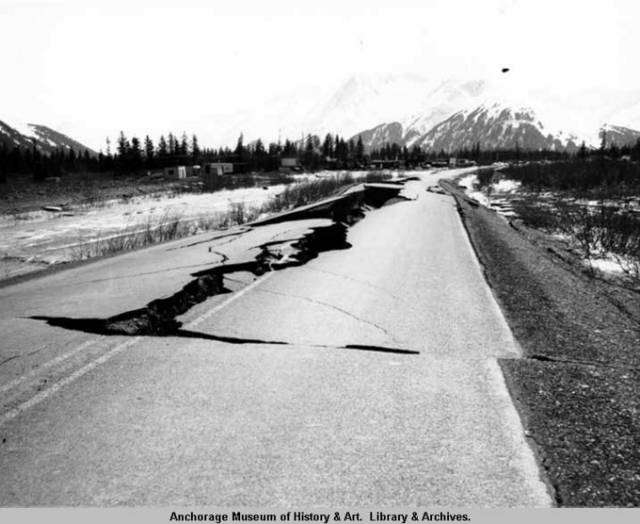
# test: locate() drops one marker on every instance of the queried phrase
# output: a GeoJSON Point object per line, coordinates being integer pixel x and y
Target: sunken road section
{"type": "Point", "coordinates": [577, 387]}
{"type": "Point", "coordinates": [159, 317]}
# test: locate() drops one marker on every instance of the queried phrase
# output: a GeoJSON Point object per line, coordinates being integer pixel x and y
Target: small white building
{"type": "Point", "coordinates": [176, 172]}
{"type": "Point", "coordinates": [217, 168]}
{"type": "Point", "coordinates": [289, 162]}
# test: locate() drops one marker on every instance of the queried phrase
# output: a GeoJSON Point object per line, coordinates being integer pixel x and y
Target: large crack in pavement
{"type": "Point", "coordinates": [159, 317]}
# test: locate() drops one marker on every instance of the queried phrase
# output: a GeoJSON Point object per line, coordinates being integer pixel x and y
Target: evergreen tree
{"type": "Point", "coordinates": [635, 152]}
{"type": "Point", "coordinates": [163, 149]}
{"type": "Point", "coordinates": [582, 152]}
{"type": "Point", "coordinates": [3, 163]}
{"type": "Point", "coordinates": [327, 146]}
{"type": "Point", "coordinates": [172, 145]}
{"type": "Point", "coordinates": [603, 142]}
{"type": "Point", "coordinates": [195, 148]}
{"type": "Point", "coordinates": [184, 145]}
{"type": "Point", "coordinates": [148, 151]}
{"type": "Point", "coordinates": [240, 151]}
{"type": "Point", "coordinates": [135, 154]}
{"type": "Point", "coordinates": [289, 149]}
{"type": "Point", "coordinates": [360, 150]}
{"type": "Point", "coordinates": [123, 146]}
{"type": "Point", "coordinates": [309, 153]}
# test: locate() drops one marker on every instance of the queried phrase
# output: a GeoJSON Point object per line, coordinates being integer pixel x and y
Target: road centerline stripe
{"type": "Point", "coordinates": [61, 358]}
{"type": "Point", "coordinates": [54, 388]}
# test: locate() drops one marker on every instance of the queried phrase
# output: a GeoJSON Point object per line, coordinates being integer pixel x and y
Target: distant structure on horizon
{"type": "Point", "coordinates": [218, 168]}
{"type": "Point", "coordinates": [289, 162]}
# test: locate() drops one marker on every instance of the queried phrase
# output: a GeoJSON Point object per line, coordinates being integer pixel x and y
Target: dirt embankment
{"type": "Point", "coordinates": [577, 385]}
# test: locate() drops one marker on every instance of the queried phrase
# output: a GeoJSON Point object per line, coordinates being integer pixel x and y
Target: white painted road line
{"type": "Point", "coordinates": [47, 365]}
{"type": "Point", "coordinates": [232, 298]}
{"type": "Point", "coordinates": [43, 395]}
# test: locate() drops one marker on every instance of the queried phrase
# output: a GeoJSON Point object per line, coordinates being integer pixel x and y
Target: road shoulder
{"type": "Point", "coordinates": [576, 385]}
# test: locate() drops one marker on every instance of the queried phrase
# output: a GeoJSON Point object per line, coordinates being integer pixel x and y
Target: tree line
{"type": "Point", "coordinates": [132, 155]}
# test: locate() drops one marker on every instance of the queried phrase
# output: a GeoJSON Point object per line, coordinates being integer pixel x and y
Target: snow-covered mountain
{"type": "Point", "coordinates": [409, 109]}
{"type": "Point", "coordinates": [500, 114]}
{"type": "Point", "coordinates": [495, 127]}
{"type": "Point", "coordinates": [346, 108]}
{"type": "Point", "coordinates": [445, 114]}
{"type": "Point", "coordinates": [46, 139]}
{"type": "Point", "coordinates": [619, 135]}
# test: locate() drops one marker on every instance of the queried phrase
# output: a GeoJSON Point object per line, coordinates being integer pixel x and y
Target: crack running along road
{"type": "Point", "coordinates": [192, 421]}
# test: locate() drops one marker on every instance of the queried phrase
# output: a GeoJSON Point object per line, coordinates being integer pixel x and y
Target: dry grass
{"type": "Point", "coordinates": [168, 227]}
{"type": "Point", "coordinates": [173, 226]}
{"type": "Point", "coordinates": [596, 230]}
{"type": "Point", "coordinates": [608, 225]}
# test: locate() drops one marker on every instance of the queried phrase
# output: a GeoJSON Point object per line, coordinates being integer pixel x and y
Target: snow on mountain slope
{"type": "Point", "coordinates": [433, 106]}
{"type": "Point", "coordinates": [620, 135]}
{"type": "Point", "coordinates": [367, 100]}
{"type": "Point", "coordinates": [494, 127]}
{"type": "Point", "coordinates": [499, 112]}
{"type": "Point", "coordinates": [47, 140]}
{"type": "Point", "coordinates": [407, 109]}
{"type": "Point", "coordinates": [362, 101]}
{"type": "Point", "coordinates": [448, 97]}
{"type": "Point", "coordinates": [383, 134]}
{"type": "Point", "coordinates": [11, 137]}
{"type": "Point", "coordinates": [627, 114]}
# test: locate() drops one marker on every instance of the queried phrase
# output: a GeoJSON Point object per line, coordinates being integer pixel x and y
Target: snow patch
{"type": "Point", "coordinates": [25, 129]}
{"type": "Point", "coordinates": [607, 265]}
{"type": "Point", "coordinates": [506, 186]}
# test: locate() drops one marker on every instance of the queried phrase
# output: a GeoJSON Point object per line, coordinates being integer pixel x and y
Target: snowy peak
{"type": "Point", "coordinates": [409, 109]}
{"type": "Point", "coordinates": [45, 139]}
{"type": "Point", "coordinates": [365, 101]}
{"type": "Point", "coordinates": [495, 127]}
{"type": "Point", "coordinates": [380, 135]}
{"type": "Point", "coordinates": [619, 135]}
{"type": "Point", "coordinates": [500, 113]}
{"type": "Point", "coordinates": [448, 97]}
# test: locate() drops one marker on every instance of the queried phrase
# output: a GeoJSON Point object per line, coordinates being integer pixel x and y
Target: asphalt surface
{"type": "Point", "coordinates": [333, 415]}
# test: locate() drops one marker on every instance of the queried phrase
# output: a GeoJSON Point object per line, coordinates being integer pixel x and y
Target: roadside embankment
{"type": "Point", "coordinates": [43, 240]}
{"type": "Point", "coordinates": [159, 317]}
{"type": "Point", "coordinates": [576, 386]}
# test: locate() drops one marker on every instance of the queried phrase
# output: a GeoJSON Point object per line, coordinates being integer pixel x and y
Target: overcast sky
{"type": "Point", "coordinates": [91, 68]}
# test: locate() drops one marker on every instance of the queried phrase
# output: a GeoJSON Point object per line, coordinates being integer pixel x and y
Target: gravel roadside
{"type": "Point", "coordinates": [576, 386]}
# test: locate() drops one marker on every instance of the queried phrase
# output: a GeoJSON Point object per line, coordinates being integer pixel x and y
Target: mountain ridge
{"type": "Point", "coordinates": [410, 109]}
{"type": "Point", "coordinates": [45, 139]}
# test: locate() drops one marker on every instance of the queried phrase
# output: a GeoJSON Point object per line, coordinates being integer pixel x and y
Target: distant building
{"type": "Point", "coordinates": [289, 162]}
{"type": "Point", "coordinates": [193, 170]}
{"type": "Point", "coordinates": [175, 172]}
{"type": "Point", "coordinates": [385, 164]}
{"type": "Point", "coordinates": [217, 168]}
{"type": "Point", "coordinates": [453, 161]}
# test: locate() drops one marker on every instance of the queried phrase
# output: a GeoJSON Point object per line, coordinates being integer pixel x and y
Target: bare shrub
{"type": "Point", "coordinates": [171, 226]}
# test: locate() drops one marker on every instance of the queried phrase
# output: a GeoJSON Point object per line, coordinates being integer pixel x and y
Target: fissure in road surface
{"type": "Point", "coordinates": [159, 317]}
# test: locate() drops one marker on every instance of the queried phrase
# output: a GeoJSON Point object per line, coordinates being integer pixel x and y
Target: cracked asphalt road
{"type": "Point", "coordinates": [98, 420]}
